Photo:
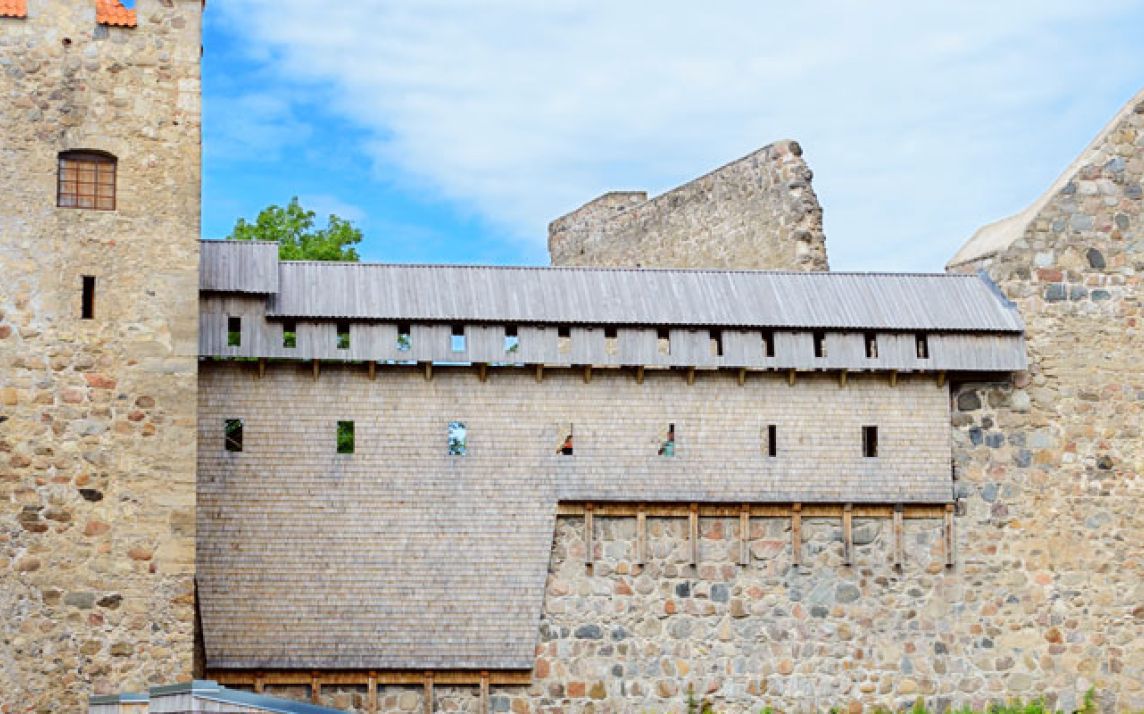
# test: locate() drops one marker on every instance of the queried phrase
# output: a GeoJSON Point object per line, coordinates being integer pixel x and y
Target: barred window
{"type": "Point", "coordinates": [86, 180]}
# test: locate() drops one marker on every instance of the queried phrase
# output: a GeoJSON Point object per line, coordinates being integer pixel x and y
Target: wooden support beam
{"type": "Point", "coordinates": [758, 510]}
{"type": "Point", "coordinates": [427, 702]}
{"type": "Point", "coordinates": [693, 530]}
{"type": "Point", "coordinates": [261, 367]}
{"type": "Point", "coordinates": [259, 682]}
{"type": "Point", "coordinates": [691, 375]}
{"type": "Point", "coordinates": [639, 374]}
{"type": "Point", "coordinates": [842, 378]}
{"type": "Point", "coordinates": [848, 534]}
{"type": "Point", "coordinates": [790, 377]}
{"type": "Point", "coordinates": [899, 537]}
{"type": "Point", "coordinates": [428, 371]}
{"type": "Point", "coordinates": [483, 371]}
{"type": "Point", "coordinates": [742, 376]}
{"type": "Point", "coordinates": [372, 370]}
{"type": "Point", "coordinates": [941, 379]}
{"type": "Point", "coordinates": [587, 373]}
{"type": "Point", "coordinates": [589, 545]}
{"type": "Point", "coordinates": [893, 377]}
{"type": "Point", "coordinates": [484, 706]}
{"type": "Point", "coordinates": [641, 537]}
{"type": "Point", "coordinates": [947, 539]}
{"type": "Point", "coordinates": [796, 534]}
{"type": "Point", "coordinates": [371, 693]}
{"type": "Point", "coordinates": [316, 366]}
{"type": "Point", "coordinates": [315, 687]}
{"type": "Point", "coordinates": [539, 373]}
{"type": "Point", "coordinates": [745, 535]}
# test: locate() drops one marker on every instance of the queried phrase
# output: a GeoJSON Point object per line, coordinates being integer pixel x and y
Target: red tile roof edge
{"type": "Point", "coordinates": [13, 8]}
{"type": "Point", "coordinates": [112, 12]}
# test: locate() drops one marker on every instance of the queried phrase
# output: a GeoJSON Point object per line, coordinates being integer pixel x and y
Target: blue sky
{"type": "Point", "coordinates": [454, 132]}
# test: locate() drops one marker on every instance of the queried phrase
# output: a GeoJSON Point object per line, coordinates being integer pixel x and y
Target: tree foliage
{"type": "Point", "coordinates": [292, 228]}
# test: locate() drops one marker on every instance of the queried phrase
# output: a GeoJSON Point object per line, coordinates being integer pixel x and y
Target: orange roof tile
{"type": "Point", "coordinates": [13, 8]}
{"type": "Point", "coordinates": [112, 12]}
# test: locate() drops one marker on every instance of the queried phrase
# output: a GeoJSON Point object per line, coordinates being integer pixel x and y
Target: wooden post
{"type": "Point", "coordinates": [372, 370]}
{"type": "Point", "coordinates": [427, 705]}
{"type": "Point", "coordinates": [742, 376]}
{"type": "Point", "coordinates": [690, 375]}
{"type": "Point", "coordinates": [694, 530]}
{"type": "Point", "coordinates": [745, 535]}
{"type": "Point", "coordinates": [796, 534]}
{"type": "Point", "coordinates": [848, 534]}
{"type": "Point", "coordinates": [372, 693]}
{"type": "Point", "coordinates": [483, 371]}
{"type": "Point", "coordinates": [315, 688]}
{"type": "Point", "coordinates": [639, 374]}
{"type": "Point", "coordinates": [428, 371]}
{"type": "Point", "coordinates": [842, 378]}
{"type": "Point", "coordinates": [316, 366]}
{"type": "Point", "coordinates": [641, 536]}
{"type": "Point", "coordinates": [941, 378]}
{"type": "Point", "coordinates": [261, 367]}
{"type": "Point", "coordinates": [587, 373]}
{"type": "Point", "coordinates": [484, 707]}
{"type": "Point", "coordinates": [589, 546]}
{"type": "Point", "coordinates": [259, 682]}
{"type": "Point", "coordinates": [893, 377]}
{"type": "Point", "coordinates": [790, 377]}
{"type": "Point", "coordinates": [899, 535]}
{"type": "Point", "coordinates": [539, 373]}
{"type": "Point", "coordinates": [947, 540]}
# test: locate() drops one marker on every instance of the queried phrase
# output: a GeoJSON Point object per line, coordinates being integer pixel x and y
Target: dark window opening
{"type": "Point", "coordinates": [290, 334]}
{"type": "Point", "coordinates": [871, 345]}
{"type": "Point", "coordinates": [458, 439]}
{"type": "Point", "coordinates": [345, 437]}
{"type": "Point", "coordinates": [343, 329]}
{"type": "Point", "coordinates": [564, 331]}
{"type": "Point", "coordinates": [667, 446]}
{"type": "Point", "coordinates": [511, 339]}
{"type": "Point", "coordinates": [663, 341]}
{"type": "Point", "coordinates": [922, 344]}
{"type": "Point", "coordinates": [563, 339]}
{"type": "Point", "coordinates": [404, 338]}
{"type": "Point", "coordinates": [769, 343]}
{"type": "Point", "coordinates": [870, 441]}
{"type": "Point", "coordinates": [458, 338]}
{"type": "Point", "coordinates": [86, 180]}
{"type": "Point", "coordinates": [772, 440]}
{"type": "Point", "coordinates": [233, 433]}
{"type": "Point", "coordinates": [565, 447]}
{"type": "Point", "coordinates": [611, 340]}
{"type": "Point", "coordinates": [819, 344]}
{"type": "Point", "coordinates": [234, 332]}
{"type": "Point", "coordinates": [716, 343]}
{"type": "Point", "coordinates": [87, 308]}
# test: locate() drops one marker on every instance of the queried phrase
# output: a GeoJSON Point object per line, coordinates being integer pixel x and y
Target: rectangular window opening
{"type": "Point", "coordinates": [511, 339]}
{"type": "Point", "coordinates": [233, 435]}
{"type": "Point", "coordinates": [871, 339]}
{"type": "Point", "coordinates": [343, 335]}
{"type": "Point", "coordinates": [563, 339]}
{"type": "Point", "coordinates": [772, 440]}
{"type": "Point", "coordinates": [345, 437]}
{"type": "Point", "coordinates": [234, 332]}
{"type": "Point", "coordinates": [819, 344]}
{"type": "Point", "coordinates": [667, 446]}
{"type": "Point", "coordinates": [611, 341]}
{"type": "Point", "coordinates": [457, 338]}
{"type": "Point", "coordinates": [716, 342]}
{"type": "Point", "coordinates": [663, 341]}
{"type": "Point", "coordinates": [769, 343]}
{"type": "Point", "coordinates": [922, 344]}
{"type": "Point", "coordinates": [404, 338]}
{"type": "Point", "coordinates": [458, 439]}
{"type": "Point", "coordinates": [87, 309]}
{"type": "Point", "coordinates": [289, 334]}
{"type": "Point", "coordinates": [870, 441]}
{"type": "Point", "coordinates": [565, 448]}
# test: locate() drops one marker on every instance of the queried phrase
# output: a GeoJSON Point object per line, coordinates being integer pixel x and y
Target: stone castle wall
{"type": "Point", "coordinates": [759, 212]}
{"type": "Point", "coordinates": [97, 417]}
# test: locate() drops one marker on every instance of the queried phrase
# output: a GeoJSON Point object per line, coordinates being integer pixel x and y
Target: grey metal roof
{"type": "Point", "coordinates": [210, 690]}
{"type": "Point", "coordinates": [238, 266]}
{"type": "Point", "coordinates": [932, 302]}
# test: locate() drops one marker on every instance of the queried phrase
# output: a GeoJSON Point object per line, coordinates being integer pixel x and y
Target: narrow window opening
{"type": "Point", "coordinates": [611, 341]}
{"type": "Point", "coordinates": [86, 180]}
{"type": "Point", "coordinates": [457, 339]}
{"type": "Point", "coordinates": [716, 343]}
{"type": "Point", "coordinates": [870, 441]}
{"type": "Point", "coordinates": [345, 437]}
{"type": "Point", "coordinates": [458, 439]}
{"type": "Point", "coordinates": [511, 339]}
{"type": "Point", "coordinates": [922, 344]}
{"type": "Point", "coordinates": [564, 339]}
{"type": "Point", "coordinates": [565, 448]}
{"type": "Point", "coordinates": [290, 334]}
{"type": "Point", "coordinates": [232, 431]}
{"type": "Point", "coordinates": [404, 338]}
{"type": "Point", "coordinates": [343, 335]}
{"type": "Point", "coordinates": [663, 341]}
{"type": "Point", "coordinates": [772, 440]}
{"type": "Point", "coordinates": [234, 332]}
{"type": "Point", "coordinates": [871, 345]}
{"type": "Point", "coordinates": [667, 446]}
{"type": "Point", "coordinates": [87, 309]}
{"type": "Point", "coordinates": [769, 343]}
{"type": "Point", "coordinates": [819, 344]}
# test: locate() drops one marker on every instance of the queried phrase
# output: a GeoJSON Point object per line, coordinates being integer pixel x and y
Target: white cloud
{"type": "Point", "coordinates": [921, 120]}
{"type": "Point", "coordinates": [324, 205]}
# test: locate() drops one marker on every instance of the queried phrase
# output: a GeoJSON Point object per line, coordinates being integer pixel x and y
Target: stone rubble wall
{"type": "Point", "coordinates": [97, 418]}
{"type": "Point", "coordinates": [759, 212]}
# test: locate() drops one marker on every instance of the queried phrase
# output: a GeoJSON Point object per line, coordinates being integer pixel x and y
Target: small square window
{"type": "Point", "coordinates": [343, 335]}
{"type": "Point", "coordinates": [511, 340]}
{"type": "Point", "coordinates": [458, 439]}
{"type": "Point", "coordinates": [86, 180]}
{"type": "Point", "coordinates": [345, 437]}
{"type": "Point", "coordinates": [715, 339]}
{"type": "Point", "coordinates": [404, 338]}
{"type": "Point", "coordinates": [234, 332]}
{"type": "Point", "coordinates": [611, 341]}
{"type": "Point", "coordinates": [871, 340]}
{"type": "Point", "coordinates": [663, 341]}
{"type": "Point", "coordinates": [819, 344]}
{"type": "Point", "coordinates": [458, 338]}
{"type": "Point", "coordinates": [289, 334]}
{"type": "Point", "coordinates": [769, 343]}
{"type": "Point", "coordinates": [921, 343]}
{"type": "Point", "coordinates": [232, 431]}
{"type": "Point", "coordinates": [667, 444]}
{"type": "Point", "coordinates": [565, 445]}
{"type": "Point", "coordinates": [563, 339]}
{"type": "Point", "coordinates": [870, 441]}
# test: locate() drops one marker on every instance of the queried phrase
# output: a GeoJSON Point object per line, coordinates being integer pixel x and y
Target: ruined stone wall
{"type": "Point", "coordinates": [759, 212]}
{"type": "Point", "coordinates": [97, 417]}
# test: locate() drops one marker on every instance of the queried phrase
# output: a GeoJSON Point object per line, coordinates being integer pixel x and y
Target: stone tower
{"type": "Point", "coordinates": [99, 227]}
{"type": "Point", "coordinates": [756, 213]}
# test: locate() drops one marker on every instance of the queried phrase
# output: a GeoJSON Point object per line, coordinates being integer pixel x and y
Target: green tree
{"type": "Point", "coordinates": [292, 228]}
